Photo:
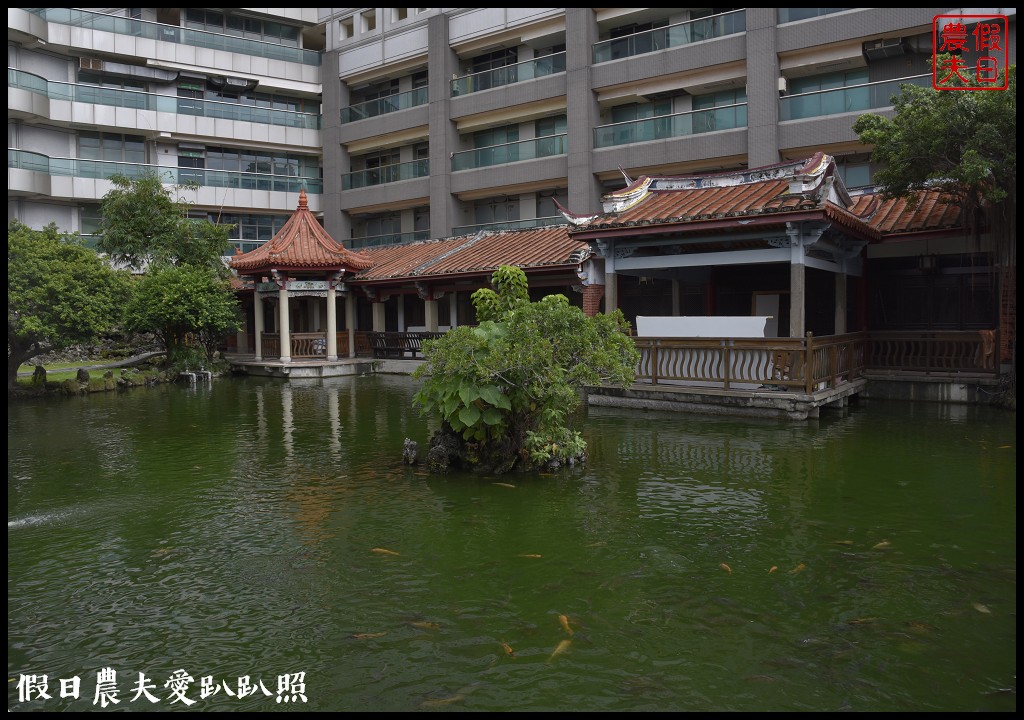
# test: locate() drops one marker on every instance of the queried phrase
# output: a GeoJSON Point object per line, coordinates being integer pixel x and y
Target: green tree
{"type": "Point", "coordinates": [505, 390]}
{"type": "Point", "coordinates": [59, 293]}
{"type": "Point", "coordinates": [962, 142]}
{"type": "Point", "coordinates": [143, 224]}
{"type": "Point", "coordinates": [183, 306]}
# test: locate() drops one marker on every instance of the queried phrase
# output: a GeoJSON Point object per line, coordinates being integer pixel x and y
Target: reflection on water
{"type": "Point", "coordinates": [864, 561]}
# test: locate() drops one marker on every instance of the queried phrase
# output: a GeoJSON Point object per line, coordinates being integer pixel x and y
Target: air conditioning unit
{"type": "Point", "coordinates": [783, 86]}
{"type": "Point", "coordinates": [90, 63]}
{"type": "Point", "coordinates": [884, 48]}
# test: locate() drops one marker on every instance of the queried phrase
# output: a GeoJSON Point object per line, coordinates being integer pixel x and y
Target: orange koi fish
{"type": "Point", "coordinates": [725, 567]}
{"type": "Point", "coordinates": [533, 555]}
{"type": "Point", "coordinates": [772, 569]}
{"type": "Point", "coordinates": [384, 551]}
{"type": "Point", "coordinates": [507, 648]}
{"type": "Point", "coordinates": [565, 624]}
{"type": "Point", "coordinates": [797, 569]}
{"type": "Point", "coordinates": [561, 648]}
{"type": "Point", "coordinates": [367, 636]}
{"type": "Point", "coordinates": [882, 545]}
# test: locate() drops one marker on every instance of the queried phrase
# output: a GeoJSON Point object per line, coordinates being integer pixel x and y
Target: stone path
{"type": "Point", "coordinates": [126, 362]}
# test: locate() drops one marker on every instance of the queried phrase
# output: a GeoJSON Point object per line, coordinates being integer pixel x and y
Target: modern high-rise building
{"type": "Point", "coordinates": [412, 123]}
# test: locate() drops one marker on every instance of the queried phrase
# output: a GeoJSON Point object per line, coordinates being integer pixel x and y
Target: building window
{"type": "Point", "coordinates": [242, 26]}
{"type": "Point", "coordinates": [829, 103]}
{"type": "Point", "coordinates": [399, 14]}
{"type": "Point", "coordinates": [369, 21]}
{"type": "Point", "coordinates": [495, 210]}
{"type": "Point", "coordinates": [113, 147]}
{"type": "Point", "coordinates": [347, 28]}
{"type": "Point", "coordinates": [724, 119]}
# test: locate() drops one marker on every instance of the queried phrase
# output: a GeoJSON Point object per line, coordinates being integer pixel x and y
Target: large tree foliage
{"type": "Point", "coordinates": [59, 293]}
{"type": "Point", "coordinates": [184, 297]}
{"type": "Point", "coordinates": [505, 389]}
{"type": "Point", "coordinates": [185, 306]}
{"type": "Point", "coordinates": [963, 142]}
{"type": "Point", "coordinates": [143, 224]}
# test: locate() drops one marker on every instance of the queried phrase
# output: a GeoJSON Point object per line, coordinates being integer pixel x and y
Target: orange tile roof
{"type": "Point", "coordinates": [933, 210]}
{"type": "Point", "coordinates": [477, 254]}
{"type": "Point", "coordinates": [812, 185]}
{"type": "Point", "coordinates": [301, 244]}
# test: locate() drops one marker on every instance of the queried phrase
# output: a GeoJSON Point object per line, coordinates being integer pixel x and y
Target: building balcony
{"type": "Point", "coordinates": [509, 74]}
{"type": "Point", "coordinates": [853, 98]}
{"type": "Point", "coordinates": [105, 169]}
{"type": "Point", "coordinates": [176, 34]}
{"type": "Point", "coordinates": [685, 33]}
{"type": "Point", "coordinates": [384, 105]}
{"type": "Point", "coordinates": [541, 147]}
{"type": "Point", "coordinates": [693, 122]}
{"type": "Point", "coordinates": [137, 100]}
{"type": "Point", "coordinates": [405, 238]}
{"type": "Point", "coordinates": [509, 225]}
{"type": "Point", "coordinates": [385, 174]}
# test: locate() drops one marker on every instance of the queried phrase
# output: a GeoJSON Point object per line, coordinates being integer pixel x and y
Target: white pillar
{"type": "Point", "coordinates": [350, 322]}
{"type": "Point", "coordinates": [332, 324]}
{"type": "Point", "coordinates": [430, 314]}
{"type": "Point", "coordinates": [611, 291]}
{"type": "Point", "coordinates": [258, 310]}
{"type": "Point", "coordinates": [378, 317]}
{"type": "Point", "coordinates": [286, 340]}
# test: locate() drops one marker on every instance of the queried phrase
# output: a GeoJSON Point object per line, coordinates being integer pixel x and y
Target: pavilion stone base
{"type": "Point", "coordinates": [303, 371]}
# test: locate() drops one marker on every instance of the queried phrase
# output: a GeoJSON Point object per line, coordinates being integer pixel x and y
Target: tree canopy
{"type": "Point", "coordinates": [505, 389]}
{"type": "Point", "coordinates": [963, 142]}
{"type": "Point", "coordinates": [143, 224]}
{"type": "Point", "coordinates": [183, 305]}
{"type": "Point", "coordinates": [59, 293]}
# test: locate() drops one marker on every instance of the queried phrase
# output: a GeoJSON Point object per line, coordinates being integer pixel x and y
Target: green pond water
{"type": "Point", "coordinates": [267, 531]}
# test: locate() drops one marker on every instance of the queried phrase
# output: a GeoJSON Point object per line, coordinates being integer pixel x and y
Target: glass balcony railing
{"type": "Point", "coordinates": [793, 14]}
{"type": "Point", "coordinates": [390, 239]}
{"type": "Point", "coordinates": [116, 97]}
{"type": "Point", "coordinates": [105, 169]}
{"type": "Point", "coordinates": [526, 70]}
{"type": "Point", "coordinates": [725, 117]}
{"type": "Point", "coordinates": [671, 36]}
{"type": "Point", "coordinates": [509, 225]}
{"type": "Point", "coordinates": [853, 98]}
{"type": "Point", "coordinates": [176, 34]}
{"type": "Point", "coordinates": [384, 105]}
{"type": "Point", "coordinates": [511, 152]}
{"type": "Point", "coordinates": [385, 174]}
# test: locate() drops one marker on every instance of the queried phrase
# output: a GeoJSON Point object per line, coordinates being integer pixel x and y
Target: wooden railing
{"type": "Point", "coordinates": [811, 363]}
{"type": "Point", "coordinates": [303, 345]}
{"type": "Point", "coordinates": [805, 364]}
{"type": "Point", "coordinates": [399, 344]}
{"type": "Point", "coordinates": [933, 352]}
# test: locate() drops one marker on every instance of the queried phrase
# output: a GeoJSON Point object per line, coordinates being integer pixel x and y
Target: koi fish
{"type": "Point", "coordinates": [772, 569]}
{"type": "Point", "coordinates": [424, 625]}
{"type": "Point", "coordinates": [882, 545]}
{"type": "Point", "coordinates": [507, 648]}
{"type": "Point", "coordinates": [797, 569]}
{"type": "Point", "coordinates": [981, 608]}
{"type": "Point", "coordinates": [842, 542]}
{"type": "Point", "coordinates": [863, 621]}
{"type": "Point", "coordinates": [441, 702]}
{"type": "Point", "coordinates": [531, 556]}
{"type": "Point", "coordinates": [565, 624]}
{"type": "Point", "coordinates": [367, 636]}
{"type": "Point", "coordinates": [561, 648]}
{"type": "Point", "coordinates": [725, 567]}
{"type": "Point", "coordinates": [384, 551]}
{"type": "Point", "coordinates": [508, 485]}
